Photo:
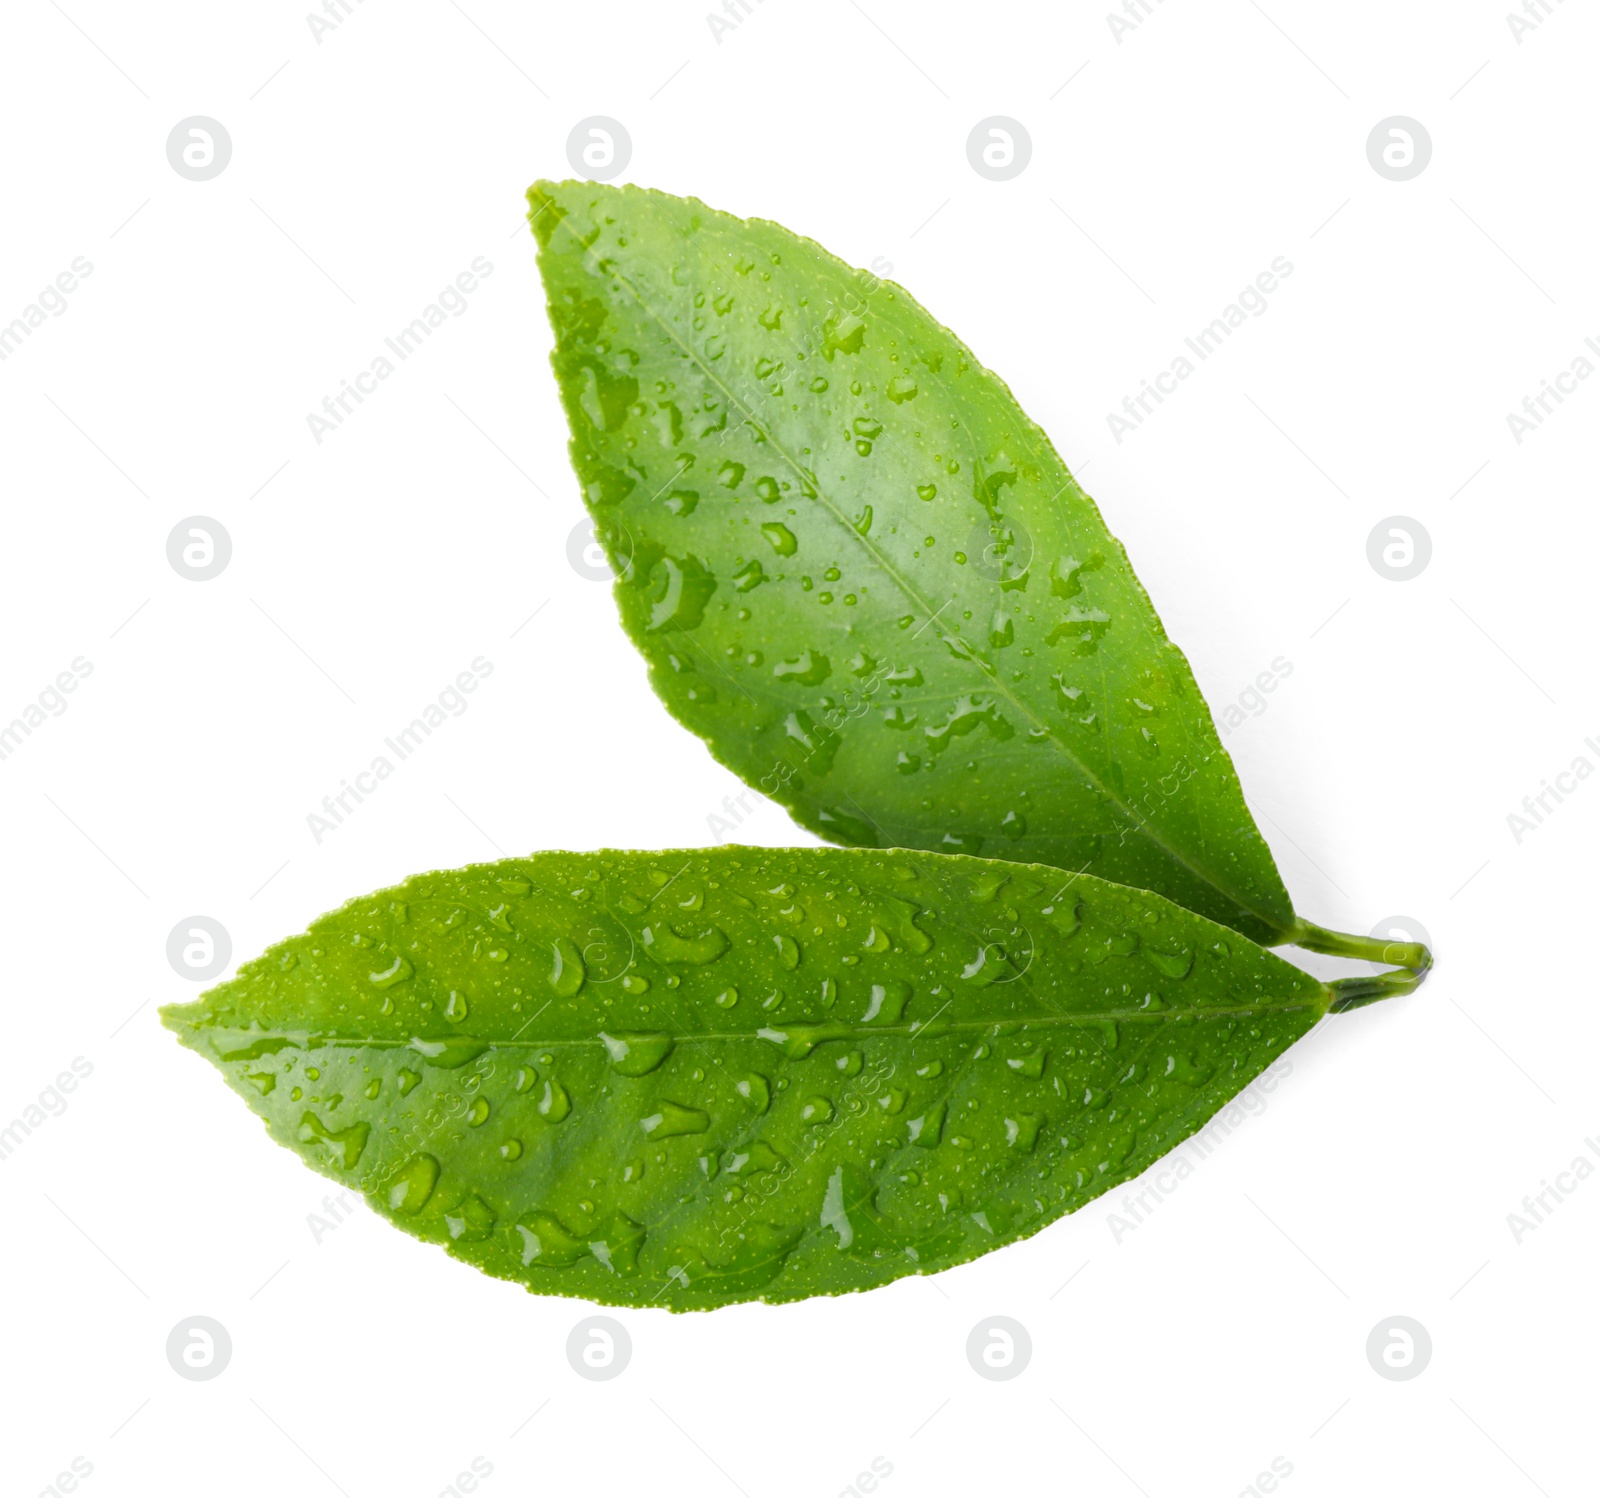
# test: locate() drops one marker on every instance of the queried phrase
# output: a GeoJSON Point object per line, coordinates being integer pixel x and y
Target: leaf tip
{"type": "Point", "coordinates": [544, 210]}
{"type": "Point", "coordinates": [184, 1020]}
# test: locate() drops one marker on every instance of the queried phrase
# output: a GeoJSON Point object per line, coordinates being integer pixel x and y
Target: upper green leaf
{"type": "Point", "coordinates": [685, 1079]}
{"type": "Point", "coordinates": [862, 574]}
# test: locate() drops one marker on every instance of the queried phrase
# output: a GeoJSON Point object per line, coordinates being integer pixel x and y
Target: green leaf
{"type": "Point", "coordinates": [862, 574]}
{"type": "Point", "coordinates": [685, 1079]}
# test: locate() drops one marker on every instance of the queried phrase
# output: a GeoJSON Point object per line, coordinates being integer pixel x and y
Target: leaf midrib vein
{"type": "Point", "coordinates": [932, 1029]}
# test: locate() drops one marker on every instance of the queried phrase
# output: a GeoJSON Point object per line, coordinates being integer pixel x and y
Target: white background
{"type": "Point", "coordinates": [372, 166]}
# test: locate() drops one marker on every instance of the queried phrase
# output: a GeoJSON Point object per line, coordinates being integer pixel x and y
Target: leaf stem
{"type": "Point", "coordinates": [1407, 954]}
{"type": "Point", "coordinates": [1414, 960]}
{"type": "Point", "coordinates": [1354, 993]}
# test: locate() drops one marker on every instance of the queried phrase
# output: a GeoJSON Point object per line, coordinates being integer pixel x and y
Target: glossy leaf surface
{"type": "Point", "coordinates": [862, 574]}
{"type": "Point", "coordinates": [686, 1079]}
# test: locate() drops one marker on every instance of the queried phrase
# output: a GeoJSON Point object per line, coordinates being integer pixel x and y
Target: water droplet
{"type": "Point", "coordinates": [925, 1130]}
{"type": "Point", "coordinates": [511, 1149]}
{"type": "Point", "coordinates": [409, 1188]}
{"type": "Point", "coordinates": [666, 945]}
{"type": "Point", "coordinates": [407, 1080]}
{"type": "Point", "coordinates": [1065, 917]}
{"type": "Point", "coordinates": [788, 950]}
{"type": "Point", "coordinates": [566, 968]}
{"type": "Point", "coordinates": [781, 538]}
{"type": "Point", "coordinates": [617, 1247]}
{"type": "Point", "coordinates": [397, 972]}
{"type": "Point", "coordinates": [478, 1112]}
{"type": "Point", "coordinates": [887, 1003]}
{"type": "Point", "coordinates": [546, 1242]}
{"type": "Point", "coordinates": [901, 389]}
{"type": "Point", "coordinates": [635, 1055]}
{"type": "Point", "coordinates": [341, 1147]}
{"type": "Point", "coordinates": [554, 1105]}
{"type": "Point", "coordinates": [472, 1221]}
{"type": "Point", "coordinates": [682, 588]}
{"type": "Point", "coordinates": [1183, 1069]}
{"type": "Point", "coordinates": [755, 1090]}
{"type": "Point", "coordinates": [810, 668]}
{"type": "Point", "coordinates": [753, 1159]}
{"type": "Point", "coordinates": [728, 998]}
{"type": "Point", "coordinates": [816, 1110]}
{"type": "Point", "coordinates": [447, 1054]}
{"type": "Point", "coordinates": [1028, 1066]}
{"type": "Point", "coordinates": [989, 966]}
{"type": "Point", "coordinates": [456, 1006]}
{"type": "Point", "coordinates": [673, 1119]}
{"type": "Point", "coordinates": [1170, 964]}
{"type": "Point", "coordinates": [798, 1041]}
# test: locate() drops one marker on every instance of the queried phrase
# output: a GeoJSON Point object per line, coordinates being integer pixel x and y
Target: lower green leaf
{"type": "Point", "coordinates": [687, 1079]}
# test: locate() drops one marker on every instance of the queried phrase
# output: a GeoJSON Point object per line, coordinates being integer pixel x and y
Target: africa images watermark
{"type": "Point", "coordinates": [1134, 14]}
{"type": "Point", "coordinates": [734, 14]}
{"type": "Point", "coordinates": [1251, 302]}
{"type": "Point", "coordinates": [451, 302]}
{"type": "Point", "coordinates": [51, 1103]}
{"type": "Point", "coordinates": [1538, 1206]}
{"type": "Point", "coordinates": [1551, 393]}
{"type": "Point", "coordinates": [69, 1479]}
{"type": "Point", "coordinates": [1253, 700]}
{"type": "Point", "coordinates": [1534, 14]}
{"type": "Point", "coordinates": [1543, 803]}
{"type": "Point", "coordinates": [450, 703]}
{"type": "Point", "coordinates": [738, 808]}
{"type": "Point", "coordinates": [333, 13]}
{"type": "Point", "coordinates": [336, 1211]}
{"type": "Point", "coordinates": [1177, 1167]}
{"type": "Point", "coordinates": [50, 703]}
{"type": "Point", "coordinates": [52, 300]}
